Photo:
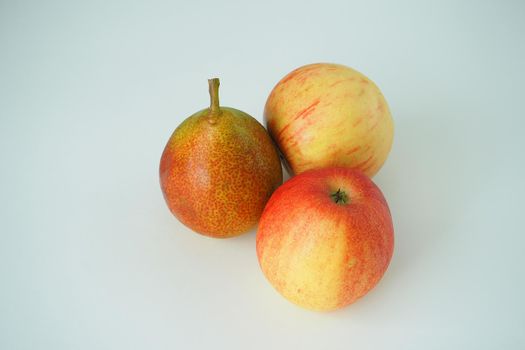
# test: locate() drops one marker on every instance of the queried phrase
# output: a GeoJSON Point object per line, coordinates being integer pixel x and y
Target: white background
{"type": "Point", "coordinates": [90, 91]}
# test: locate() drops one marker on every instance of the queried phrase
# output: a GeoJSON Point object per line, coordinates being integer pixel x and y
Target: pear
{"type": "Point", "coordinates": [218, 170]}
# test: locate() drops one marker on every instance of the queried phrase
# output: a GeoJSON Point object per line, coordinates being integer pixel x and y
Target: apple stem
{"type": "Point", "coordinates": [339, 197]}
{"type": "Point", "coordinates": [214, 95]}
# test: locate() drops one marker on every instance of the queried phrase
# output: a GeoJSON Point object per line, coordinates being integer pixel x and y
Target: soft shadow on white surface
{"type": "Point", "coordinates": [427, 188]}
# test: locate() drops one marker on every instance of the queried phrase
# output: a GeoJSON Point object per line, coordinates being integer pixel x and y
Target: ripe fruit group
{"type": "Point", "coordinates": [325, 238]}
{"type": "Point", "coordinates": [218, 170]}
{"type": "Point", "coordinates": [323, 115]}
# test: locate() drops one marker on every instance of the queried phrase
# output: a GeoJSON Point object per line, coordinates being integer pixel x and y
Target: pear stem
{"type": "Point", "coordinates": [214, 95]}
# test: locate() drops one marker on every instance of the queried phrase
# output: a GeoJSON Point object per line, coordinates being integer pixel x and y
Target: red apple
{"type": "Point", "coordinates": [325, 238]}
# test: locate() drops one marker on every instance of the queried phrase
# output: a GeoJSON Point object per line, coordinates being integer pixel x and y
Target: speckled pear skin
{"type": "Point", "coordinates": [218, 171]}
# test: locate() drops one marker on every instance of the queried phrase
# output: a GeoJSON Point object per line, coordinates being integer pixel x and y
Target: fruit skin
{"type": "Point", "coordinates": [325, 114]}
{"type": "Point", "coordinates": [218, 171]}
{"type": "Point", "coordinates": [321, 255]}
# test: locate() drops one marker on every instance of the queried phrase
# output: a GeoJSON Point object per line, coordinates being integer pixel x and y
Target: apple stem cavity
{"type": "Point", "coordinates": [340, 197]}
{"type": "Point", "coordinates": [214, 95]}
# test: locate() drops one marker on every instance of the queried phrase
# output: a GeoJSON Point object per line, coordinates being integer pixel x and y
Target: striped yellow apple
{"type": "Point", "coordinates": [325, 114]}
{"type": "Point", "coordinates": [325, 238]}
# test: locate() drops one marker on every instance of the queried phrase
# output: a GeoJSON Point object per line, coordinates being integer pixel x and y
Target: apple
{"type": "Point", "coordinates": [325, 238]}
{"type": "Point", "coordinates": [323, 115]}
